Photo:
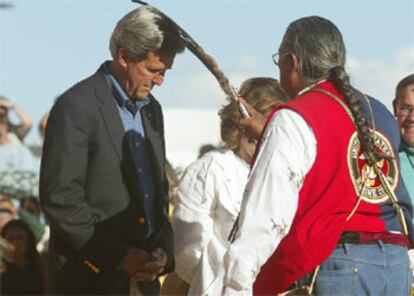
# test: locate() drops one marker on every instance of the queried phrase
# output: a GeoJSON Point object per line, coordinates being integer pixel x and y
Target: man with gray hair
{"type": "Point", "coordinates": [103, 186]}
{"type": "Point", "coordinates": [324, 211]}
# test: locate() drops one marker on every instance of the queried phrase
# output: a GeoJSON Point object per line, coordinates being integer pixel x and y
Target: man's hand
{"type": "Point", "coordinates": [142, 266]}
{"type": "Point", "coordinates": [158, 259]}
{"type": "Point", "coordinates": [255, 123]}
{"type": "Point", "coordinates": [134, 261]}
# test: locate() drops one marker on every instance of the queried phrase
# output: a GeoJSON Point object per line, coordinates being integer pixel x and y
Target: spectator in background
{"type": "Point", "coordinates": [13, 154]}
{"type": "Point", "coordinates": [42, 125]}
{"type": "Point", "coordinates": [6, 215]}
{"type": "Point", "coordinates": [210, 192]}
{"type": "Point", "coordinates": [173, 176]}
{"type": "Point", "coordinates": [31, 205]}
{"type": "Point", "coordinates": [404, 111]}
{"type": "Point", "coordinates": [6, 255]}
{"type": "Point", "coordinates": [26, 274]}
{"type": "Point", "coordinates": [37, 149]}
{"type": "Point", "coordinates": [17, 132]}
{"type": "Point", "coordinates": [8, 211]}
{"type": "Point", "coordinates": [28, 211]}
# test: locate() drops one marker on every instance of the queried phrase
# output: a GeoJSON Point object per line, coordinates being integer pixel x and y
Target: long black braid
{"type": "Point", "coordinates": [340, 79]}
{"type": "Point", "coordinates": [320, 51]}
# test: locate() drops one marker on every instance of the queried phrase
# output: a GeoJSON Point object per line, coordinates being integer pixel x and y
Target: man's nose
{"type": "Point", "coordinates": [158, 79]}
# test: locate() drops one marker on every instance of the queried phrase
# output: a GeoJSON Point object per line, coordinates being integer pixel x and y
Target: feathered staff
{"type": "Point", "coordinates": [209, 62]}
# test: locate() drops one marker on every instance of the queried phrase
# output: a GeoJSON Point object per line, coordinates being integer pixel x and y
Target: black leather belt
{"type": "Point", "coordinates": [359, 238]}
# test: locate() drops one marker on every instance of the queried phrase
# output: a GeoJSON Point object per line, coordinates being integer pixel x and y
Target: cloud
{"type": "Point", "coordinates": [380, 77]}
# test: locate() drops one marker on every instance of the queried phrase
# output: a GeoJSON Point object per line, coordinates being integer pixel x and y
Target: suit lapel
{"type": "Point", "coordinates": [154, 139]}
{"type": "Point", "coordinates": [109, 112]}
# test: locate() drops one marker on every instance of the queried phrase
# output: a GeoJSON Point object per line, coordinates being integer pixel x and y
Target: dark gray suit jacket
{"type": "Point", "coordinates": [88, 190]}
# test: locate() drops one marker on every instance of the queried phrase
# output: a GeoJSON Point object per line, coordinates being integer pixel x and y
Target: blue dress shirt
{"type": "Point", "coordinates": [134, 131]}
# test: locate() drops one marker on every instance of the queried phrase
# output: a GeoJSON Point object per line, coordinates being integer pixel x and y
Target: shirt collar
{"type": "Point", "coordinates": [119, 94]}
{"type": "Point", "coordinates": [302, 91]}
{"type": "Point", "coordinates": [408, 149]}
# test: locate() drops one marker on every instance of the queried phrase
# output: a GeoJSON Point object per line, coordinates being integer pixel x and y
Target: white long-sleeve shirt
{"type": "Point", "coordinates": [208, 202]}
{"type": "Point", "coordinates": [287, 152]}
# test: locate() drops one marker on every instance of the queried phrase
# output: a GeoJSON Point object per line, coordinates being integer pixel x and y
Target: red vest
{"type": "Point", "coordinates": [326, 199]}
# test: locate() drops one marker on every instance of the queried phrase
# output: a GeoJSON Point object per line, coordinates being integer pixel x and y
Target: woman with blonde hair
{"type": "Point", "coordinates": [210, 193]}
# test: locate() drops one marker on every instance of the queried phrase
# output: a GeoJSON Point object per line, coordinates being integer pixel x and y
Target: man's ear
{"type": "Point", "coordinates": [122, 56]}
{"type": "Point", "coordinates": [292, 62]}
{"type": "Point", "coordinates": [394, 105]}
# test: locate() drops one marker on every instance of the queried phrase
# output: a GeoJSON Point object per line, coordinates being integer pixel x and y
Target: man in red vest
{"type": "Point", "coordinates": [324, 208]}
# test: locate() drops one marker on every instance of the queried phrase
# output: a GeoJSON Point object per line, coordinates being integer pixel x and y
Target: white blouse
{"type": "Point", "coordinates": [208, 202]}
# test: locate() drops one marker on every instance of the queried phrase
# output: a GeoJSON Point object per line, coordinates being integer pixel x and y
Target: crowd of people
{"type": "Point", "coordinates": [24, 233]}
{"type": "Point", "coordinates": [310, 194]}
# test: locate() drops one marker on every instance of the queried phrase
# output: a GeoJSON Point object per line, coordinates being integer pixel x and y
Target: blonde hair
{"type": "Point", "coordinates": [263, 93]}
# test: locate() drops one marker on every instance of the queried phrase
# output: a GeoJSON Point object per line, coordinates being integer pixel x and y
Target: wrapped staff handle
{"type": "Point", "coordinates": [208, 61]}
{"type": "Point", "coordinates": [242, 109]}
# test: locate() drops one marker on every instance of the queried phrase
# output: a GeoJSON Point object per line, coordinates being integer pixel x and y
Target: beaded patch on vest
{"type": "Point", "coordinates": [366, 182]}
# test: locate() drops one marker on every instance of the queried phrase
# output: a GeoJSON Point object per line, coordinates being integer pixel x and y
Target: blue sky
{"type": "Point", "coordinates": [48, 45]}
